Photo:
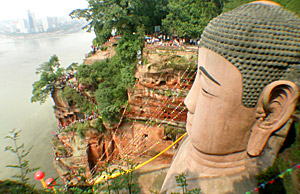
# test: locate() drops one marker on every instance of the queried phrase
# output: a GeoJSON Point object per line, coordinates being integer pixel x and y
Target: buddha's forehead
{"type": "Point", "coordinates": [218, 69]}
{"type": "Point", "coordinates": [262, 41]}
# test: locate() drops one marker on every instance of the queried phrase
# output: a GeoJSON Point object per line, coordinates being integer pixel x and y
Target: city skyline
{"type": "Point", "coordinates": [32, 24]}
{"type": "Point", "coordinates": [18, 9]}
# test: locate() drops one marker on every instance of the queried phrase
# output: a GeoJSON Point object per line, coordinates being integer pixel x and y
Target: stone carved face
{"type": "Point", "coordinates": [221, 130]}
{"type": "Point", "coordinates": [240, 97]}
{"type": "Point", "coordinates": [217, 121]}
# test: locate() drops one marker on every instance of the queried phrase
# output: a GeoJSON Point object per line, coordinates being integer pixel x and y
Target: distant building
{"type": "Point", "coordinates": [45, 24]}
{"type": "Point", "coordinates": [31, 22]}
{"type": "Point", "coordinates": [17, 26]}
{"type": "Point", "coordinates": [25, 23]}
{"type": "Point", "coordinates": [52, 22]}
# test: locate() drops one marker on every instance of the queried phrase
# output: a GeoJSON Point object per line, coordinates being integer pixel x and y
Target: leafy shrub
{"type": "Point", "coordinates": [13, 187]}
{"type": "Point", "coordinates": [103, 48]}
{"type": "Point", "coordinates": [77, 100]}
{"type": "Point", "coordinates": [21, 153]}
{"type": "Point", "coordinates": [49, 73]}
{"type": "Point", "coordinates": [181, 182]}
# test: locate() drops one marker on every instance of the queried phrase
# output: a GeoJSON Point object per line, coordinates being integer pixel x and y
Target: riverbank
{"type": "Point", "coordinates": [74, 29]}
{"type": "Point", "coordinates": [20, 57]}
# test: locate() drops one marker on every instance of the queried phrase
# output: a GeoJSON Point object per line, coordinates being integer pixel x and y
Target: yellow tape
{"type": "Point", "coordinates": [114, 175]}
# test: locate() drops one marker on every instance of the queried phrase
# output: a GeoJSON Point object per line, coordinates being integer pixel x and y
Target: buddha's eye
{"type": "Point", "coordinates": [206, 92]}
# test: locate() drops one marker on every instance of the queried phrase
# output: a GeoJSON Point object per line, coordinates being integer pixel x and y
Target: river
{"type": "Point", "coordinates": [19, 58]}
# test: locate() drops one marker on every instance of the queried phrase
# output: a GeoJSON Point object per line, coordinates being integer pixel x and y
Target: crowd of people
{"type": "Point", "coordinates": [163, 40]}
{"type": "Point", "coordinates": [87, 118]}
{"type": "Point", "coordinates": [66, 79]}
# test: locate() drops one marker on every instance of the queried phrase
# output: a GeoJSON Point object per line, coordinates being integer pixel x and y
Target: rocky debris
{"type": "Point", "coordinates": [106, 51]}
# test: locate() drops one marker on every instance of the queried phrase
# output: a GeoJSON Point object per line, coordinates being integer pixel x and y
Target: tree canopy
{"type": "Point", "coordinates": [177, 17]}
{"type": "Point", "coordinates": [188, 18]}
{"type": "Point", "coordinates": [49, 73]}
{"type": "Point", "coordinates": [291, 5]}
{"type": "Point", "coordinates": [125, 16]}
{"type": "Point", "coordinates": [132, 19]}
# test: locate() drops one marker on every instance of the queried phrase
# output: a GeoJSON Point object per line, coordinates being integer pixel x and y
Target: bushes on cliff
{"type": "Point", "coordinates": [77, 100]}
{"type": "Point", "coordinates": [118, 76]}
{"type": "Point", "coordinates": [81, 128]}
{"type": "Point", "coordinates": [188, 18]}
{"type": "Point", "coordinates": [289, 155]}
{"type": "Point", "coordinates": [89, 75]}
{"type": "Point", "coordinates": [112, 77]}
{"type": "Point", "coordinates": [49, 73]}
{"type": "Point", "coordinates": [292, 5]}
{"type": "Point", "coordinates": [13, 187]}
{"type": "Point", "coordinates": [123, 16]}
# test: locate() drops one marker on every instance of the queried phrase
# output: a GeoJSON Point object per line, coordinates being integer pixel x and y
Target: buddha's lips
{"type": "Point", "coordinates": [189, 120]}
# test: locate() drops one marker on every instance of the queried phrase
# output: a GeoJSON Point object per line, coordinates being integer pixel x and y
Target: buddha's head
{"type": "Point", "coordinates": [241, 94]}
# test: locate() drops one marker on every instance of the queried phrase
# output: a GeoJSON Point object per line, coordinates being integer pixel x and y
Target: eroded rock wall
{"type": "Point", "coordinates": [154, 118]}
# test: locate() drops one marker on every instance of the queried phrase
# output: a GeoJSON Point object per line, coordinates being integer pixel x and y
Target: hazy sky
{"type": "Point", "coordinates": [17, 9]}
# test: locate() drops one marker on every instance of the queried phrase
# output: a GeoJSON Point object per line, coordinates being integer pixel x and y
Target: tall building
{"type": "Point", "coordinates": [45, 24]}
{"type": "Point", "coordinates": [52, 22]}
{"type": "Point", "coordinates": [31, 22]}
{"type": "Point", "coordinates": [25, 23]}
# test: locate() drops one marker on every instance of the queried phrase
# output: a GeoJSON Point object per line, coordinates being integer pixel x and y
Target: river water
{"type": "Point", "coordinates": [19, 58]}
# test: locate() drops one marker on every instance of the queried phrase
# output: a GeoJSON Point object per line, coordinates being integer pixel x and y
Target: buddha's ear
{"type": "Point", "coordinates": [275, 106]}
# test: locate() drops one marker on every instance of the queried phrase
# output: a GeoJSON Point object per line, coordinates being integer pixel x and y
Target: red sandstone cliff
{"type": "Point", "coordinates": [153, 119]}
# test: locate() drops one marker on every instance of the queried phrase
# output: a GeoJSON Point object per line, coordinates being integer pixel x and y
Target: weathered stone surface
{"type": "Point", "coordinates": [154, 116]}
{"type": "Point", "coordinates": [239, 108]}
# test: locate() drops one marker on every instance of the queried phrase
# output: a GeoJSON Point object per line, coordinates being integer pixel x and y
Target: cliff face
{"type": "Point", "coordinates": [154, 118]}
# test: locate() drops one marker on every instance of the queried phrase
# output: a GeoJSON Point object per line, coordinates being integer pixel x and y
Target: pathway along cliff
{"type": "Point", "coordinates": [153, 118]}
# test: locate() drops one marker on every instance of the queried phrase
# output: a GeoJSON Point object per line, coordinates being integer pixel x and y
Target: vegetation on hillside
{"type": "Point", "coordinates": [132, 20]}
{"type": "Point", "coordinates": [124, 16]}
{"type": "Point", "coordinates": [289, 156]}
{"type": "Point", "coordinates": [292, 5]}
{"type": "Point", "coordinates": [188, 18]}
{"type": "Point", "coordinates": [21, 154]}
{"type": "Point", "coordinates": [49, 73]}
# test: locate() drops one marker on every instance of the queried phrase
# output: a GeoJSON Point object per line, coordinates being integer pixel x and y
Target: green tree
{"type": "Point", "coordinates": [292, 5]}
{"type": "Point", "coordinates": [182, 182]}
{"type": "Point", "coordinates": [188, 18]}
{"type": "Point", "coordinates": [126, 16]}
{"type": "Point", "coordinates": [83, 74]}
{"type": "Point", "coordinates": [129, 180]}
{"type": "Point", "coordinates": [49, 73]}
{"type": "Point", "coordinates": [232, 4]}
{"type": "Point", "coordinates": [77, 100]}
{"type": "Point", "coordinates": [104, 16]}
{"type": "Point", "coordinates": [110, 97]}
{"type": "Point", "coordinates": [21, 153]}
{"type": "Point", "coordinates": [14, 187]}
{"type": "Point", "coordinates": [151, 13]}
{"type": "Point", "coordinates": [72, 67]}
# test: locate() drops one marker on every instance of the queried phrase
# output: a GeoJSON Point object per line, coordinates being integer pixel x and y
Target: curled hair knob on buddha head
{"type": "Point", "coordinates": [241, 98]}
{"type": "Point", "coordinates": [261, 40]}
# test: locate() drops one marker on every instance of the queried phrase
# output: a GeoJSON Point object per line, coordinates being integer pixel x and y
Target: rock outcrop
{"type": "Point", "coordinates": [154, 118]}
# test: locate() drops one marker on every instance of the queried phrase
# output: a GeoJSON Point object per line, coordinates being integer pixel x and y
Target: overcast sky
{"type": "Point", "coordinates": [17, 9]}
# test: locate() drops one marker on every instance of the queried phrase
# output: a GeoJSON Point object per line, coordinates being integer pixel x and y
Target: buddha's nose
{"type": "Point", "coordinates": [192, 97]}
{"type": "Point", "coordinates": [190, 103]}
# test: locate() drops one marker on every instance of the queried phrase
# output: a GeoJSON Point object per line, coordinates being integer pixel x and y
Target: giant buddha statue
{"type": "Point", "coordinates": [241, 101]}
